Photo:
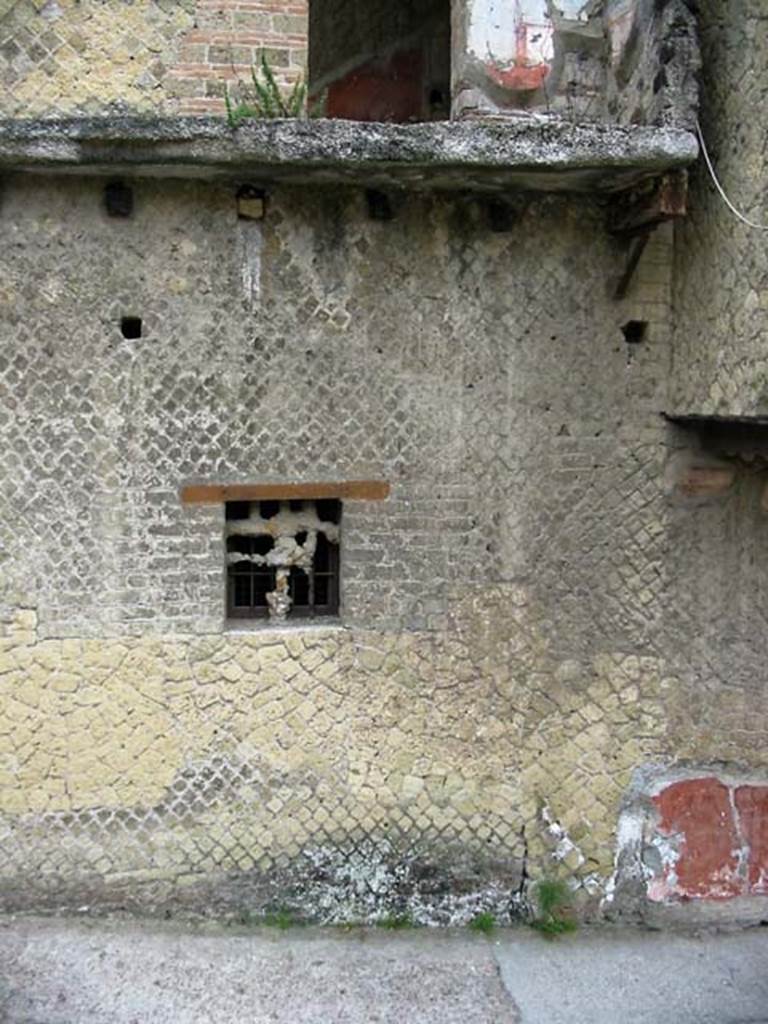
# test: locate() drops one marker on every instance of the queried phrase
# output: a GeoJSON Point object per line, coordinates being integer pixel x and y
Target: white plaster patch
{"type": "Point", "coordinates": [373, 880]}
{"type": "Point", "coordinates": [51, 10]}
{"type": "Point", "coordinates": [502, 32]}
{"type": "Point", "coordinates": [620, 17]}
{"type": "Point", "coordinates": [565, 846]}
{"type": "Point", "coordinates": [283, 527]}
{"type": "Point", "coordinates": [251, 244]}
{"type": "Point", "coordinates": [629, 844]}
{"type": "Point", "coordinates": [742, 852]}
{"type": "Point", "coordinates": [661, 886]}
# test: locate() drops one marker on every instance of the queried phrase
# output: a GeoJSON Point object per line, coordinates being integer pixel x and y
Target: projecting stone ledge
{"type": "Point", "coordinates": [540, 153]}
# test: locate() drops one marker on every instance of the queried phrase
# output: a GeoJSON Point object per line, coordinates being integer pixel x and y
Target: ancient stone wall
{"type": "Point", "coordinates": [549, 659]}
{"type": "Point", "coordinates": [631, 61]}
{"type": "Point", "coordinates": [163, 56]}
{"type": "Point", "coordinates": [698, 831]}
{"type": "Point", "coordinates": [721, 298]}
{"type": "Point", "coordinates": [653, 61]}
{"type": "Point", "coordinates": [500, 670]}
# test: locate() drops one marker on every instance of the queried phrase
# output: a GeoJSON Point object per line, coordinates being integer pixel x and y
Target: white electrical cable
{"type": "Point", "coordinates": [719, 187]}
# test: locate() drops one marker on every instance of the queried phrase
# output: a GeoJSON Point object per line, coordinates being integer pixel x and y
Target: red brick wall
{"type": "Point", "coordinates": [228, 38]}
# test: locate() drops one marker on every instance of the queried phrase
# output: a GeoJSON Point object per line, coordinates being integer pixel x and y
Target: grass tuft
{"type": "Point", "coordinates": [267, 100]}
{"type": "Point", "coordinates": [282, 919]}
{"type": "Point", "coordinates": [484, 922]}
{"type": "Point", "coordinates": [396, 922]}
{"type": "Point", "coordinates": [555, 908]}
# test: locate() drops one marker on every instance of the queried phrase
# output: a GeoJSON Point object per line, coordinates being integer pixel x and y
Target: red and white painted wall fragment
{"type": "Point", "coordinates": [536, 56]}
{"type": "Point", "coordinates": [515, 40]}
{"type": "Point", "coordinates": [709, 841]}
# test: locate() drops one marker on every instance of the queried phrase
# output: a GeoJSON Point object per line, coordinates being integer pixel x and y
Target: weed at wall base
{"type": "Point", "coordinates": [396, 922]}
{"type": "Point", "coordinates": [484, 922]}
{"type": "Point", "coordinates": [555, 906]}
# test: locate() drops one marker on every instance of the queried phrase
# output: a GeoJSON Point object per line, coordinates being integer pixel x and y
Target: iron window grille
{"type": "Point", "coordinates": [283, 547]}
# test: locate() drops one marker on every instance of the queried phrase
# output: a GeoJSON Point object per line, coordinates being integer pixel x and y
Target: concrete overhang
{"type": "Point", "coordinates": [532, 153]}
{"type": "Point", "coordinates": [709, 421]}
{"type": "Point", "coordinates": [724, 434]}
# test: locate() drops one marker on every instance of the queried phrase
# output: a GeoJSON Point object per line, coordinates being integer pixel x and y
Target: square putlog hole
{"type": "Point", "coordinates": [131, 327]}
{"type": "Point", "coordinates": [118, 199]}
{"type": "Point", "coordinates": [635, 331]}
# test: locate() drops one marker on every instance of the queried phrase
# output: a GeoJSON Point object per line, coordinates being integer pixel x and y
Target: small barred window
{"type": "Point", "coordinates": [283, 559]}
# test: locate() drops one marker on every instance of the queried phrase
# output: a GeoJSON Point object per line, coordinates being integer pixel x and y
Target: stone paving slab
{"type": "Point", "coordinates": [56, 972]}
{"type": "Point", "coordinates": [126, 972]}
{"type": "Point", "coordinates": [608, 977]}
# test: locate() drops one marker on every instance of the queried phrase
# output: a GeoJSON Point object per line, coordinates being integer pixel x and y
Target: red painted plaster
{"type": "Point", "coordinates": [381, 90]}
{"type": "Point", "coordinates": [519, 77]}
{"type": "Point", "coordinates": [696, 815]}
{"type": "Point", "coordinates": [752, 806]}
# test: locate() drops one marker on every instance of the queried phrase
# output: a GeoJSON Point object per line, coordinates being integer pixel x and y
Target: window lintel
{"type": "Point", "coordinates": [348, 490]}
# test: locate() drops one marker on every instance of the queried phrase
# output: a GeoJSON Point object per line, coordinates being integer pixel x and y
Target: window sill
{"type": "Point", "coordinates": [259, 627]}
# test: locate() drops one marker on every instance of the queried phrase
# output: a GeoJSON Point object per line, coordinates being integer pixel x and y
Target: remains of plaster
{"type": "Point", "coordinates": [453, 700]}
{"type": "Point", "coordinates": [681, 835]}
{"type": "Point", "coordinates": [521, 56]}
{"type": "Point", "coordinates": [251, 240]}
{"type": "Point", "coordinates": [565, 850]}
{"type": "Point", "coordinates": [605, 60]}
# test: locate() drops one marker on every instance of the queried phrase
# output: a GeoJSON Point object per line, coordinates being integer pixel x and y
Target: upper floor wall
{"type": "Point", "coordinates": [615, 61]}
{"type": "Point", "coordinates": [621, 61]}
{"type": "Point", "coordinates": [721, 273]}
{"type": "Point", "coordinates": [63, 57]}
{"type": "Point", "coordinates": [381, 61]}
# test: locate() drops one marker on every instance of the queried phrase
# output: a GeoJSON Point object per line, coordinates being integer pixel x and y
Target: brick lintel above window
{"type": "Point", "coordinates": [347, 490]}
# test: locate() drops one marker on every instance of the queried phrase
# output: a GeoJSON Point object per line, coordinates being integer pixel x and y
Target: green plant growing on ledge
{"type": "Point", "coordinates": [268, 100]}
{"type": "Point", "coordinates": [555, 908]}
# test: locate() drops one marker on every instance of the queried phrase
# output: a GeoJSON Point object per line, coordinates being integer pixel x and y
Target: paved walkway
{"type": "Point", "coordinates": [124, 972]}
